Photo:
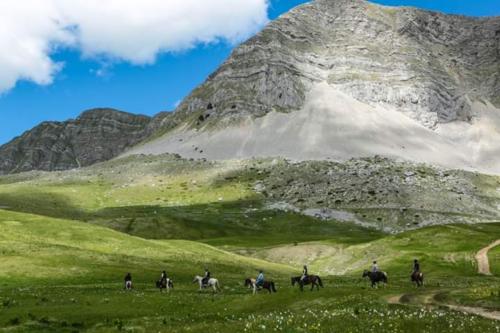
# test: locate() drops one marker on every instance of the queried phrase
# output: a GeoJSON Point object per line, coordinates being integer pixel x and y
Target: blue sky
{"type": "Point", "coordinates": [85, 83]}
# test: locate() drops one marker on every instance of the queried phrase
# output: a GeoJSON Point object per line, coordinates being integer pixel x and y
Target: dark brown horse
{"type": "Point", "coordinates": [417, 278]}
{"type": "Point", "coordinates": [268, 285]}
{"type": "Point", "coordinates": [313, 280]}
{"type": "Point", "coordinates": [376, 277]}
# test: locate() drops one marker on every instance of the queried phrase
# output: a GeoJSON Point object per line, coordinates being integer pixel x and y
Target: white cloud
{"type": "Point", "coordinates": [135, 31]}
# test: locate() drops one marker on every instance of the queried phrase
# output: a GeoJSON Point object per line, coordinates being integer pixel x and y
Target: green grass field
{"type": "Point", "coordinates": [68, 238]}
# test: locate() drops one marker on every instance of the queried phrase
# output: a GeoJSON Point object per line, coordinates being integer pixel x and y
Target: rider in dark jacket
{"type": "Point", "coordinates": [128, 278]}
{"type": "Point", "coordinates": [206, 277]}
{"type": "Point", "coordinates": [163, 277]}
{"type": "Point", "coordinates": [416, 266]}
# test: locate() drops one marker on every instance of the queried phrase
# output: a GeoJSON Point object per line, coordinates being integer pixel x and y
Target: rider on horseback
{"type": "Point", "coordinates": [416, 266]}
{"type": "Point", "coordinates": [375, 268]}
{"type": "Point", "coordinates": [163, 277]}
{"type": "Point", "coordinates": [304, 274]}
{"type": "Point", "coordinates": [128, 279]}
{"type": "Point", "coordinates": [260, 279]}
{"type": "Point", "coordinates": [206, 277]}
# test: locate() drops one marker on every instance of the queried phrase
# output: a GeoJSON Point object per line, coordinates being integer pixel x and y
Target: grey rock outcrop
{"type": "Point", "coordinates": [428, 65]}
{"type": "Point", "coordinates": [96, 135]}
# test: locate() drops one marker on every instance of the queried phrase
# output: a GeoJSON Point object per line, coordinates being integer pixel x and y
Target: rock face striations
{"type": "Point", "coordinates": [335, 79]}
{"type": "Point", "coordinates": [331, 79]}
{"type": "Point", "coordinates": [96, 135]}
{"type": "Point", "coordinates": [427, 65]}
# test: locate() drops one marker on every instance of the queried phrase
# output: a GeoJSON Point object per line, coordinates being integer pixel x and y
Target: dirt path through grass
{"type": "Point", "coordinates": [430, 300]}
{"type": "Point", "coordinates": [483, 264]}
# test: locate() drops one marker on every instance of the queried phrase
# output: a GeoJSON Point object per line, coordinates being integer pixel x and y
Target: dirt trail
{"type": "Point", "coordinates": [483, 264]}
{"type": "Point", "coordinates": [431, 301]}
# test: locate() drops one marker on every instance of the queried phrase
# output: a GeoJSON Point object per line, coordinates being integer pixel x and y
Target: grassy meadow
{"type": "Point", "coordinates": [68, 238]}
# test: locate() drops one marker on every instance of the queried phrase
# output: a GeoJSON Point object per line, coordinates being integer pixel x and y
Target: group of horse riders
{"type": "Point", "coordinates": [375, 274]}
{"type": "Point", "coordinates": [416, 267]}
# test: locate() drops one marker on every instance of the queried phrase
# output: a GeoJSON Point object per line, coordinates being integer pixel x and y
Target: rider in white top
{"type": "Point", "coordinates": [375, 267]}
{"type": "Point", "coordinates": [304, 274]}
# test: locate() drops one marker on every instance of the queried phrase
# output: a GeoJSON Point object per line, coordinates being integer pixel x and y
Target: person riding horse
{"type": "Point", "coordinates": [417, 276]}
{"type": "Point", "coordinates": [304, 274]}
{"type": "Point", "coordinates": [375, 268]}
{"type": "Point", "coordinates": [206, 277]}
{"type": "Point", "coordinates": [163, 278]}
{"type": "Point", "coordinates": [416, 267]}
{"type": "Point", "coordinates": [259, 281]}
{"type": "Point", "coordinates": [128, 281]}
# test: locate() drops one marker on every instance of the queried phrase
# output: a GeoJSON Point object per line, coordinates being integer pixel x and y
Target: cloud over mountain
{"type": "Point", "coordinates": [126, 30]}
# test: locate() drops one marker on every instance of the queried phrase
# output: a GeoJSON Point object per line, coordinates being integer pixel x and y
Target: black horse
{"type": "Point", "coordinates": [417, 278]}
{"type": "Point", "coordinates": [376, 277]}
{"type": "Point", "coordinates": [165, 284]}
{"type": "Point", "coordinates": [313, 280]}
{"type": "Point", "coordinates": [268, 285]}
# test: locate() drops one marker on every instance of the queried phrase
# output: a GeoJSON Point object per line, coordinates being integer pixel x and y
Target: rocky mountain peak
{"type": "Point", "coordinates": [335, 79]}
{"type": "Point", "coordinates": [96, 135]}
{"type": "Point", "coordinates": [430, 66]}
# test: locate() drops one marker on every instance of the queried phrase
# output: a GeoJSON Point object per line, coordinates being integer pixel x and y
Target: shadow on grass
{"type": "Point", "coordinates": [242, 222]}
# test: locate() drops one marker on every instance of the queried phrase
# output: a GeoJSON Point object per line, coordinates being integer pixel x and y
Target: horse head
{"type": "Point", "coordinates": [294, 280]}
{"type": "Point", "coordinates": [248, 282]}
{"type": "Point", "coordinates": [365, 273]}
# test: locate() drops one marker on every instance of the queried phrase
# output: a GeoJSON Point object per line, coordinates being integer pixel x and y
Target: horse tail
{"type": "Point", "coordinates": [320, 282]}
{"type": "Point", "coordinates": [273, 287]}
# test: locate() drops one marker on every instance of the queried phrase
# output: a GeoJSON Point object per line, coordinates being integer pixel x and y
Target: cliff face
{"type": "Point", "coordinates": [331, 79]}
{"type": "Point", "coordinates": [336, 79]}
{"type": "Point", "coordinates": [427, 65]}
{"type": "Point", "coordinates": [96, 135]}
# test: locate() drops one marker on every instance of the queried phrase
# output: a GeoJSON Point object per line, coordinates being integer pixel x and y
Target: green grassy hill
{"type": "Point", "coordinates": [68, 238]}
{"type": "Point", "coordinates": [36, 248]}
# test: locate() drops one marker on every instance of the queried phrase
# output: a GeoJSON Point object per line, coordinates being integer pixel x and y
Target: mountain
{"type": "Point", "coordinates": [348, 78]}
{"type": "Point", "coordinates": [329, 80]}
{"type": "Point", "coordinates": [96, 135]}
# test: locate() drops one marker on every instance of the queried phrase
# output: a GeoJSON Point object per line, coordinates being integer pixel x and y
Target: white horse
{"type": "Point", "coordinates": [213, 283]}
{"type": "Point", "coordinates": [251, 284]}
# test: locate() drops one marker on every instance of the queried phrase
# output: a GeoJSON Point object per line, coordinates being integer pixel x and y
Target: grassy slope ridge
{"type": "Point", "coordinates": [168, 197]}
{"type": "Point", "coordinates": [62, 275]}
{"type": "Point", "coordinates": [38, 248]}
{"type": "Point", "coordinates": [62, 265]}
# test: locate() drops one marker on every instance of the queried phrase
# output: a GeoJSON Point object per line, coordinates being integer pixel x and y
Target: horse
{"type": "Point", "coordinates": [128, 285]}
{"type": "Point", "coordinates": [376, 277]}
{"type": "Point", "coordinates": [269, 285]}
{"type": "Point", "coordinates": [418, 278]}
{"type": "Point", "coordinates": [165, 284]}
{"type": "Point", "coordinates": [213, 283]}
{"type": "Point", "coordinates": [313, 280]}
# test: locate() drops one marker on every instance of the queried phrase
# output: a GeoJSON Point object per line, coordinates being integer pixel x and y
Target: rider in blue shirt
{"type": "Point", "coordinates": [260, 279]}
